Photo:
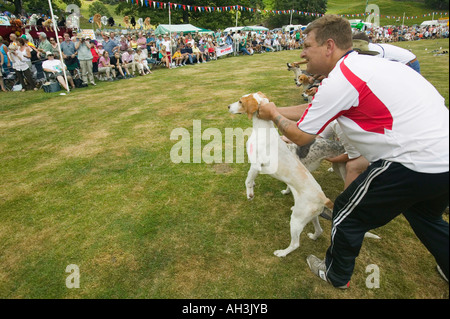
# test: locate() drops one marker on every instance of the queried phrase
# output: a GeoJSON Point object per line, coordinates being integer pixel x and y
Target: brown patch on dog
{"type": "Point", "coordinates": [250, 105]}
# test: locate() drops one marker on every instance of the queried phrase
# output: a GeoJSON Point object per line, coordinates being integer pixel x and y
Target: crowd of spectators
{"type": "Point", "coordinates": [112, 56]}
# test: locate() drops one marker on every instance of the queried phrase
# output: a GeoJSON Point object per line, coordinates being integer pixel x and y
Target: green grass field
{"type": "Point", "coordinates": [87, 180]}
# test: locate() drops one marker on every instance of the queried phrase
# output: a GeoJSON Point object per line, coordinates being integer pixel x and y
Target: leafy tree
{"type": "Point", "coordinates": [278, 20]}
{"type": "Point", "coordinates": [210, 20]}
{"type": "Point", "coordinates": [34, 6]}
{"type": "Point", "coordinates": [98, 7]}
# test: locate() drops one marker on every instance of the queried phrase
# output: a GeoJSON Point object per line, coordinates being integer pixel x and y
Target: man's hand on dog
{"type": "Point", "coordinates": [267, 111]}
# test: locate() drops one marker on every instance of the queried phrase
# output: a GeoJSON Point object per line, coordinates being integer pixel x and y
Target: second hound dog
{"type": "Point", "coordinates": [276, 160]}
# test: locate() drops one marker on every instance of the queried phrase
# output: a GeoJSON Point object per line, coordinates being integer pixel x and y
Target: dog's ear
{"type": "Point", "coordinates": [250, 105]}
{"type": "Point", "coordinates": [262, 95]}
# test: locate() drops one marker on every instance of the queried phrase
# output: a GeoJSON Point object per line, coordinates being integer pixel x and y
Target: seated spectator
{"type": "Point", "coordinates": [243, 47]}
{"type": "Point", "coordinates": [141, 62]}
{"type": "Point", "coordinates": [268, 44]}
{"type": "Point", "coordinates": [212, 50]}
{"type": "Point", "coordinates": [55, 68]}
{"type": "Point", "coordinates": [133, 43]}
{"type": "Point", "coordinates": [154, 51]}
{"type": "Point", "coordinates": [204, 51]}
{"type": "Point", "coordinates": [198, 54]}
{"type": "Point", "coordinates": [116, 63]}
{"type": "Point", "coordinates": [128, 62]}
{"type": "Point", "coordinates": [104, 66]}
{"type": "Point", "coordinates": [255, 45]}
{"type": "Point", "coordinates": [163, 56]}
{"type": "Point", "coordinates": [276, 44]}
{"type": "Point", "coordinates": [186, 51]}
{"type": "Point", "coordinates": [177, 57]}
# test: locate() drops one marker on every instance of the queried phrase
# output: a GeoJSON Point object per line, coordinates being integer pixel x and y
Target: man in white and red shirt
{"type": "Point", "coordinates": [398, 121]}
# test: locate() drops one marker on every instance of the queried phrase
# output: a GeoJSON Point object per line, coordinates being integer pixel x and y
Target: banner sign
{"type": "Point", "coordinates": [224, 50]}
{"type": "Point", "coordinates": [4, 21]}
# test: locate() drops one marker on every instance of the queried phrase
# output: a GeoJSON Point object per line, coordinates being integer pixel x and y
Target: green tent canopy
{"type": "Point", "coordinates": [171, 28]}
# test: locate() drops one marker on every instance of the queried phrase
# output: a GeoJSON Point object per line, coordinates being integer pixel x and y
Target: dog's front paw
{"type": "Point", "coordinates": [280, 253]}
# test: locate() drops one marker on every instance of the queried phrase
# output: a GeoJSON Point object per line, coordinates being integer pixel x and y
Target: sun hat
{"type": "Point", "coordinates": [49, 53]}
{"type": "Point", "coordinates": [362, 47]}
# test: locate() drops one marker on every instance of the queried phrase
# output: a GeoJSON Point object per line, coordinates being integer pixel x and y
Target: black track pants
{"type": "Point", "coordinates": [382, 192]}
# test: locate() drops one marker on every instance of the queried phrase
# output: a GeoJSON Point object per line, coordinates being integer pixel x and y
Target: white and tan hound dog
{"type": "Point", "coordinates": [276, 160]}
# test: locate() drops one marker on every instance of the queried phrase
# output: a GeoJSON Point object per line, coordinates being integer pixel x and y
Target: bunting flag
{"type": "Point", "coordinates": [164, 5]}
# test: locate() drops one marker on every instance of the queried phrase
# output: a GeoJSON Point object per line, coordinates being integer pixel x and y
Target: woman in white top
{"type": "Point", "coordinates": [20, 65]}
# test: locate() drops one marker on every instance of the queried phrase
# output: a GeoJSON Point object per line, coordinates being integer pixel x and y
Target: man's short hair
{"type": "Point", "coordinates": [42, 34]}
{"type": "Point", "coordinates": [332, 27]}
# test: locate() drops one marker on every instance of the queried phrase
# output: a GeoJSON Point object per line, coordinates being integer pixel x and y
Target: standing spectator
{"type": "Point", "coordinates": [85, 57]}
{"type": "Point", "coordinates": [4, 52]}
{"type": "Point", "coordinates": [391, 52]}
{"type": "Point", "coordinates": [2, 85]}
{"type": "Point", "coordinates": [142, 42]}
{"type": "Point", "coordinates": [69, 52]}
{"type": "Point", "coordinates": [95, 57]}
{"type": "Point", "coordinates": [123, 44]}
{"type": "Point", "coordinates": [21, 67]}
{"type": "Point", "coordinates": [109, 44]}
{"type": "Point", "coordinates": [54, 48]}
{"type": "Point", "coordinates": [25, 50]}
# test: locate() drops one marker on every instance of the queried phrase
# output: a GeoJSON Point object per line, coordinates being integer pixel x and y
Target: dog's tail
{"type": "Point", "coordinates": [370, 235]}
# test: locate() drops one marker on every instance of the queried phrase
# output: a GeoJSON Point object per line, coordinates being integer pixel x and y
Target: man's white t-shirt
{"type": "Point", "coordinates": [387, 111]}
{"type": "Point", "coordinates": [54, 65]}
{"type": "Point", "coordinates": [392, 52]}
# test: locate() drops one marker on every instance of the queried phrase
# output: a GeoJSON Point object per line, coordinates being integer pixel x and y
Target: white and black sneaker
{"type": "Point", "coordinates": [319, 268]}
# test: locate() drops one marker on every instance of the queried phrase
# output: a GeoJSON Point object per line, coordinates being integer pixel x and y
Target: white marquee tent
{"type": "Point", "coordinates": [171, 28]}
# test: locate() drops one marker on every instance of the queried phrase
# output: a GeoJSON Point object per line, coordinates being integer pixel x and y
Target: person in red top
{"type": "Point", "coordinates": [95, 56]}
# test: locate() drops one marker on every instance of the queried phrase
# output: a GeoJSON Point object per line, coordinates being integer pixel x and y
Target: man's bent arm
{"type": "Point", "coordinates": [293, 113]}
{"type": "Point", "coordinates": [289, 129]}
